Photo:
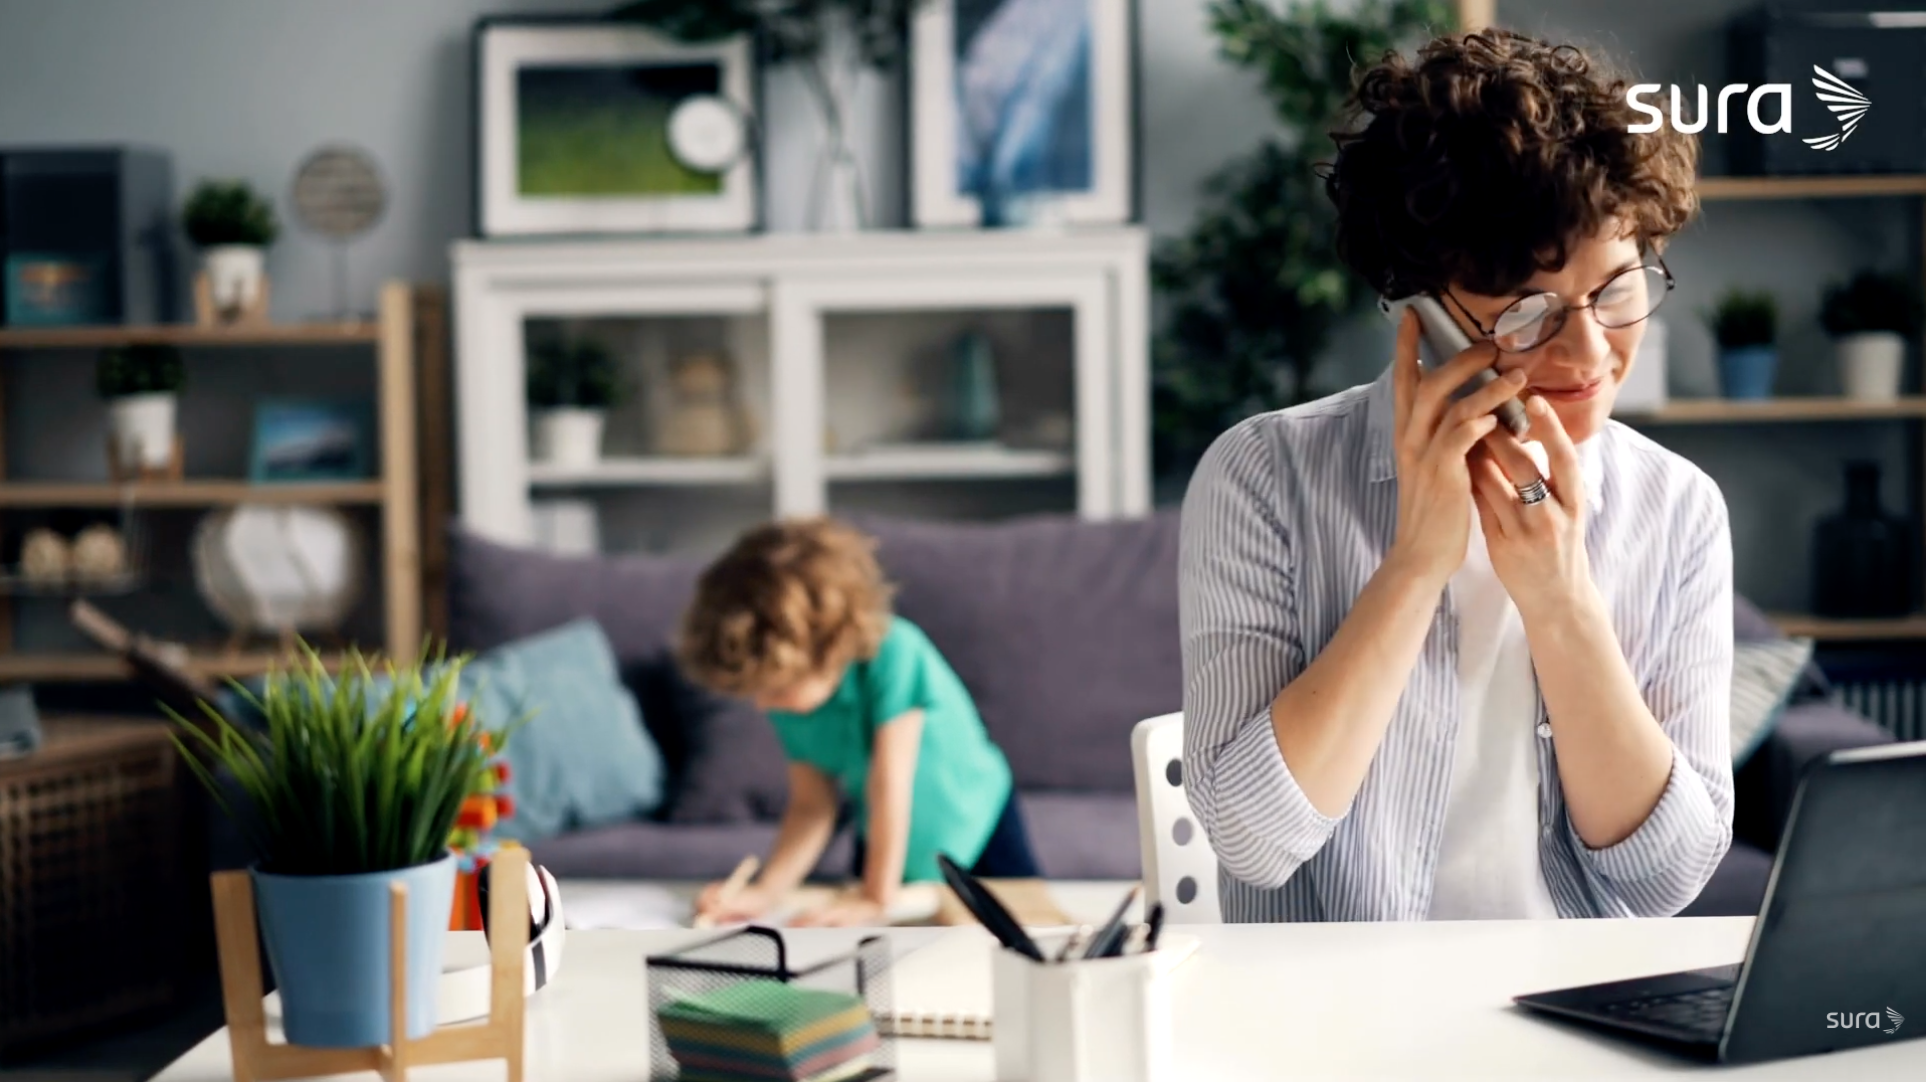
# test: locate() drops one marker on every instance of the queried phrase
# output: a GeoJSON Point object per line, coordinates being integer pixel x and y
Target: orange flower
{"type": "Point", "coordinates": [505, 806]}
{"type": "Point", "coordinates": [458, 715]}
{"type": "Point", "coordinates": [501, 771]}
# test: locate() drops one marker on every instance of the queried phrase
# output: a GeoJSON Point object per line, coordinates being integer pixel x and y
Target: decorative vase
{"type": "Point", "coordinates": [1746, 372]}
{"type": "Point", "coordinates": [569, 437]}
{"type": "Point", "coordinates": [234, 273]}
{"type": "Point", "coordinates": [328, 943]}
{"type": "Point", "coordinates": [140, 428]}
{"type": "Point", "coordinates": [976, 413]}
{"type": "Point", "coordinates": [1870, 364]}
{"type": "Point", "coordinates": [1860, 565]}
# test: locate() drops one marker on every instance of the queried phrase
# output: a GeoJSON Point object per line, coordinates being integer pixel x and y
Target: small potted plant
{"type": "Point", "coordinates": [350, 783]}
{"type": "Point", "coordinates": [1746, 326]}
{"type": "Point", "coordinates": [1869, 320]}
{"type": "Point", "coordinates": [232, 226]}
{"type": "Point", "coordinates": [571, 386]}
{"type": "Point", "coordinates": [141, 384]}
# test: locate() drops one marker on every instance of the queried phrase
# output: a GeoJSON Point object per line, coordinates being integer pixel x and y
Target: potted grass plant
{"type": "Point", "coordinates": [141, 384]}
{"type": "Point", "coordinates": [232, 226]}
{"type": "Point", "coordinates": [571, 386]}
{"type": "Point", "coordinates": [350, 783]}
{"type": "Point", "coordinates": [1869, 320]}
{"type": "Point", "coordinates": [1745, 324]}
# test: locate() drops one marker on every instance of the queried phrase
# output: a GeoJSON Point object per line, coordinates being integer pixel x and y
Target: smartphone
{"type": "Point", "coordinates": [1440, 340]}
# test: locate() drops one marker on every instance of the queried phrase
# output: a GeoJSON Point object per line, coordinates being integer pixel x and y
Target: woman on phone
{"type": "Point", "coordinates": [1417, 684]}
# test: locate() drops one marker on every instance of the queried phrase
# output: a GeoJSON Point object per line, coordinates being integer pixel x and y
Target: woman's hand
{"type": "Point", "coordinates": [1537, 550]}
{"type": "Point", "coordinates": [744, 905]}
{"type": "Point", "coordinates": [1434, 437]}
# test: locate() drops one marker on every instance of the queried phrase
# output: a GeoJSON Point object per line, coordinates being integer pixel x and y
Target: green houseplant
{"type": "Point", "coordinates": [571, 386]}
{"type": "Point", "coordinates": [1252, 292]}
{"type": "Point", "coordinates": [141, 384]}
{"type": "Point", "coordinates": [349, 783]}
{"type": "Point", "coordinates": [1745, 324]}
{"type": "Point", "coordinates": [1869, 319]}
{"type": "Point", "coordinates": [232, 226]}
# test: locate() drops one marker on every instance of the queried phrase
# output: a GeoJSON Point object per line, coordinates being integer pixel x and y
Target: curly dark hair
{"type": "Point", "coordinates": [1482, 162]}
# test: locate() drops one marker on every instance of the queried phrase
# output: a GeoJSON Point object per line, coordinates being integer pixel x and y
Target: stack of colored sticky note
{"type": "Point", "coordinates": [769, 1031]}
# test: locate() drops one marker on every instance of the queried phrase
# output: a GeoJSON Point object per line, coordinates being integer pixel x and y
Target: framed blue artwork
{"type": "Point", "coordinates": [311, 440]}
{"type": "Point", "coordinates": [1022, 112]}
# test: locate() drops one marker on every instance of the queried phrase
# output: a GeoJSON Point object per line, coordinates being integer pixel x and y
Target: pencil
{"type": "Point", "coordinates": [738, 879]}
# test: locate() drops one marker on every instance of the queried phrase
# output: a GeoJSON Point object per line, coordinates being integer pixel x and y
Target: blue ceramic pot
{"type": "Point", "coordinates": [1747, 372]}
{"type": "Point", "coordinates": [327, 940]}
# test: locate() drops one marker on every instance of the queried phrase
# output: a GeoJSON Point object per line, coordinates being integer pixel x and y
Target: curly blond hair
{"type": "Point", "coordinates": [790, 600]}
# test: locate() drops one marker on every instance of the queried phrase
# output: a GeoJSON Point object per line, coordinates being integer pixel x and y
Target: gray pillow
{"type": "Point", "coordinates": [1763, 676]}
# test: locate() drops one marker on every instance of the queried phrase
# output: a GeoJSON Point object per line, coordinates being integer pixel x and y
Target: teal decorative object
{"type": "Point", "coordinates": [1747, 372]}
{"type": "Point", "coordinates": [976, 412]}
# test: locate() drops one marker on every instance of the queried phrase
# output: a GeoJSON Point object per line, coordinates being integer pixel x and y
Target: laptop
{"type": "Point", "coordinates": [1837, 958]}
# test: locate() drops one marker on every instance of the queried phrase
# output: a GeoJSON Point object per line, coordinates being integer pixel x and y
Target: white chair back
{"type": "Point", "coordinates": [1180, 870]}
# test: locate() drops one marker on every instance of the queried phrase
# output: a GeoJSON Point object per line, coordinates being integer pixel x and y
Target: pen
{"type": "Point", "coordinates": [732, 886]}
{"type": "Point", "coordinates": [1109, 936]}
{"type": "Point", "coordinates": [1156, 925]}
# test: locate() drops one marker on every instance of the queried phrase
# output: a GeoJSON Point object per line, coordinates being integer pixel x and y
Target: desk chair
{"type": "Point", "coordinates": [1180, 870]}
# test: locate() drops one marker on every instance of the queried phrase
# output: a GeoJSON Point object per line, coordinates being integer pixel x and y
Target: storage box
{"type": "Point", "coordinates": [86, 236]}
{"type": "Point", "coordinates": [1881, 54]}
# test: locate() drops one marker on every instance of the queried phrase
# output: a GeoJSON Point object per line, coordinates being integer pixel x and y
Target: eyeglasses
{"type": "Point", "coordinates": [1529, 322]}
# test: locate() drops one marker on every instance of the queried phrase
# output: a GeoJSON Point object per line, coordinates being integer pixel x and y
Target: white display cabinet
{"type": "Point", "coordinates": [845, 354]}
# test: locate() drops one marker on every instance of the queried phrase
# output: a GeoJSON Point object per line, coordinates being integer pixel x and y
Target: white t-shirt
{"type": "Point", "coordinates": [1488, 865]}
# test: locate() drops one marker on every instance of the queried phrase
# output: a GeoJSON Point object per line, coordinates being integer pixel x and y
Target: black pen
{"type": "Point", "coordinates": [1156, 924]}
{"type": "Point", "coordinates": [1107, 938]}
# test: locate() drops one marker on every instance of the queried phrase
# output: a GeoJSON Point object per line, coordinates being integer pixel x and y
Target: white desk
{"type": "Point", "coordinates": [1406, 1001]}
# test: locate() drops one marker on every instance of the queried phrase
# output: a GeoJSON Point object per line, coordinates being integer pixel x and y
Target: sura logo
{"type": "Point", "coordinates": [1865, 1020]}
{"type": "Point", "coordinates": [1847, 105]}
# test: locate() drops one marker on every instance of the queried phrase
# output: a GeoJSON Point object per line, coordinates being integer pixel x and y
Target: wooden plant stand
{"type": "Point", "coordinates": [500, 1037]}
{"type": "Point", "coordinates": [209, 314]}
{"type": "Point", "coordinates": [131, 472]}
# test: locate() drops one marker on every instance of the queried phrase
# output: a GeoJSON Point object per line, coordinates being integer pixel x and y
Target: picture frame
{"type": "Point", "coordinates": [1079, 70]}
{"type": "Point", "coordinates": [547, 92]}
{"type": "Point", "coordinates": [308, 440]}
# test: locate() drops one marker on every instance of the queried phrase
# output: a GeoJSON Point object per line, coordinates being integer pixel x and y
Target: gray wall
{"type": "Point", "coordinates": [246, 87]}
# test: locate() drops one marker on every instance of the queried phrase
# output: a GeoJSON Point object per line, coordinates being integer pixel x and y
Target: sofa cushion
{"type": "Point", "coordinates": [1737, 887]}
{"type": "Point", "coordinates": [1064, 631]}
{"type": "Point", "coordinates": [723, 760]}
{"type": "Point", "coordinates": [1763, 677]}
{"type": "Point", "coordinates": [1083, 835]}
{"type": "Point", "coordinates": [688, 851]}
{"type": "Point", "coordinates": [1770, 779]}
{"type": "Point", "coordinates": [1751, 625]}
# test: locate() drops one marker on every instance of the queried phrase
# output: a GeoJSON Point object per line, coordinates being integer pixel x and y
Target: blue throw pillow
{"type": "Point", "coordinates": [583, 759]}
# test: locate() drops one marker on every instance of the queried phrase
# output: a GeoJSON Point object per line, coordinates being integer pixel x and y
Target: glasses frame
{"type": "Point", "coordinates": [1564, 310]}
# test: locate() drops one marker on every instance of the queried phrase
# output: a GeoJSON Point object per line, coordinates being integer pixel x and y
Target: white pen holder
{"type": "Point", "coordinates": [1102, 1020]}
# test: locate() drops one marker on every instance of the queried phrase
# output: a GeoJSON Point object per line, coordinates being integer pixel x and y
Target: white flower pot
{"type": "Point", "coordinates": [141, 428]}
{"type": "Point", "coordinates": [568, 437]}
{"type": "Point", "coordinates": [1870, 365]}
{"type": "Point", "coordinates": [234, 273]}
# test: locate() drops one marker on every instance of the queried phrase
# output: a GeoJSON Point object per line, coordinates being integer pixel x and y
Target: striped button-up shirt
{"type": "Point", "coordinates": [1287, 517]}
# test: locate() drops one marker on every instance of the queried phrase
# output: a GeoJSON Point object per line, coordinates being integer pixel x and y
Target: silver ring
{"type": "Point", "coordinates": [1536, 492]}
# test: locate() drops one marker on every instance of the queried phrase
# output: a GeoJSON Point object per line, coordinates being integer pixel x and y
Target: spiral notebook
{"type": "Point", "coordinates": [943, 990]}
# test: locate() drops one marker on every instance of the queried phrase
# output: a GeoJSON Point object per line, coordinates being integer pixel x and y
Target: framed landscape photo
{"type": "Point", "coordinates": [311, 440]}
{"type": "Point", "coordinates": [1021, 112]}
{"type": "Point", "coordinates": [585, 126]}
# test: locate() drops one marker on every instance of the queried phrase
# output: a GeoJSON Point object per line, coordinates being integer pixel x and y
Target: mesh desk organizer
{"type": "Point", "coordinates": [753, 953]}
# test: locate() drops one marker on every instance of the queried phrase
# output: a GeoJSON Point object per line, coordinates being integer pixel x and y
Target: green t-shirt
{"type": "Point", "coordinates": [962, 779]}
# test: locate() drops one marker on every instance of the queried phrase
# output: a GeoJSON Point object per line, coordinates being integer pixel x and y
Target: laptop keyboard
{"type": "Point", "coordinates": [1702, 1011]}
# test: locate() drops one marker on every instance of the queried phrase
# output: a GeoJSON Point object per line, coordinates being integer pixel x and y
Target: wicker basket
{"type": "Point", "coordinates": [90, 880]}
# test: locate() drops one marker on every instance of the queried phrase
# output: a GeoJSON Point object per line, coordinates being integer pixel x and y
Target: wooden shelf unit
{"type": "Point", "coordinates": [1828, 629]}
{"type": "Point", "coordinates": [394, 492]}
{"type": "Point", "coordinates": [1711, 411]}
{"type": "Point", "coordinates": [1843, 186]}
{"type": "Point", "coordinates": [188, 334]}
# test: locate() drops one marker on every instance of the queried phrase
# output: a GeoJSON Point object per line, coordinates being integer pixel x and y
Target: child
{"type": "Point", "coordinates": [796, 617]}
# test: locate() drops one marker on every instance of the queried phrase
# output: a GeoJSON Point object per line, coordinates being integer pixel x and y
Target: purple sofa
{"type": "Point", "coordinates": [1066, 634]}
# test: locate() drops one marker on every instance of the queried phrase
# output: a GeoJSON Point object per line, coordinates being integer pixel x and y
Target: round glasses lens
{"type": "Point", "coordinates": [1526, 323]}
{"type": "Point", "coordinates": [1630, 297]}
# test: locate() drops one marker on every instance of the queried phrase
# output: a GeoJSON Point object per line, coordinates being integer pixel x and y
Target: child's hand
{"type": "Point", "coordinates": [745, 905]}
{"type": "Point", "coordinates": [848, 911]}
